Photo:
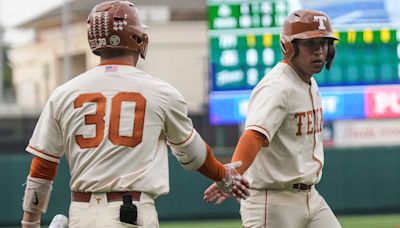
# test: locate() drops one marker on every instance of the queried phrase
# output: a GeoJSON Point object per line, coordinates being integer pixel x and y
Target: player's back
{"type": "Point", "coordinates": [112, 120]}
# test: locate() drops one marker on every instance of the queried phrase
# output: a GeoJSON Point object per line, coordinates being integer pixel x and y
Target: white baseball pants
{"type": "Point", "coordinates": [287, 208]}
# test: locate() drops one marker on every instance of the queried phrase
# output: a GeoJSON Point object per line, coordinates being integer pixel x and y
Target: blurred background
{"type": "Point", "coordinates": [215, 52]}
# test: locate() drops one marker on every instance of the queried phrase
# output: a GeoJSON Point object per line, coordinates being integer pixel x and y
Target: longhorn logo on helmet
{"type": "Point", "coordinates": [321, 20]}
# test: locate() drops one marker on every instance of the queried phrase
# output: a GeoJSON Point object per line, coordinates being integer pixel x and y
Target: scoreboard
{"type": "Point", "coordinates": [238, 14]}
{"type": "Point", "coordinates": [244, 46]}
{"type": "Point", "coordinates": [364, 57]}
{"type": "Point", "coordinates": [241, 50]}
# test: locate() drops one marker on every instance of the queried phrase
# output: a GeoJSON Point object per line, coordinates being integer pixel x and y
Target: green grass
{"type": "Point", "coordinates": [202, 224]}
{"type": "Point", "coordinates": [364, 221]}
{"type": "Point", "coordinates": [375, 221]}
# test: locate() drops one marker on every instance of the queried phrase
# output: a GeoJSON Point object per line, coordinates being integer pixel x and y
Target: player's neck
{"type": "Point", "coordinates": [129, 60]}
{"type": "Point", "coordinates": [304, 76]}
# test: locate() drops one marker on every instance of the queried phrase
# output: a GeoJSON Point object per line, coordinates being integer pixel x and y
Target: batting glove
{"type": "Point", "coordinates": [232, 185]}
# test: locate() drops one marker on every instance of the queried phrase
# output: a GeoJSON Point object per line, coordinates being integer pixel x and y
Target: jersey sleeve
{"type": "Point", "coordinates": [267, 109]}
{"type": "Point", "coordinates": [178, 126]}
{"type": "Point", "coordinates": [46, 140]}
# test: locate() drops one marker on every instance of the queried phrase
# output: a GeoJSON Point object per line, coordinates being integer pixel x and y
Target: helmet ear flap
{"type": "Point", "coordinates": [143, 46]}
{"type": "Point", "coordinates": [331, 55]}
{"type": "Point", "coordinates": [288, 49]}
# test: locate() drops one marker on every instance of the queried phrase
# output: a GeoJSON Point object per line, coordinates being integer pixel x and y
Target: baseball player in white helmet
{"type": "Point", "coordinates": [113, 124]}
{"type": "Point", "coordinates": [281, 147]}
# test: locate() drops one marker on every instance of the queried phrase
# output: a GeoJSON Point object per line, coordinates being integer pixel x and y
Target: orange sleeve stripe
{"type": "Point", "coordinates": [33, 148]}
{"type": "Point", "coordinates": [247, 149]}
{"type": "Point", "coordinates": [177, 144]}
{"type": "Point", "coordinates": [256, 126]}
{"type": "Point", "coordinates": [42, 168]}
{"type": "Point", "coordinates": [212, 168]}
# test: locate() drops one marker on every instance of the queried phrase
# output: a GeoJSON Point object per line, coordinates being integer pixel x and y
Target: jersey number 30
{"type": "Point", "coordinates": [98, 119]}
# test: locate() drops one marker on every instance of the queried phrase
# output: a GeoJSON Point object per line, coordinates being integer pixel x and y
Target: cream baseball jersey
{"type": "Point", "coordinates": [288, 112]}
{"type": "Point", "coordinates": [112, 123]}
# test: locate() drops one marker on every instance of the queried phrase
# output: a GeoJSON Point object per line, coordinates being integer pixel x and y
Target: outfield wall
{"type": "Point", "coordinates": [364, 180]}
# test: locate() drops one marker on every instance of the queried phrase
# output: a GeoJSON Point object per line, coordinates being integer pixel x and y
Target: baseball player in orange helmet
{"type": "Point", "coordinates": [281, 147]}
{"type": "Point", "coordinates": [113, 124]}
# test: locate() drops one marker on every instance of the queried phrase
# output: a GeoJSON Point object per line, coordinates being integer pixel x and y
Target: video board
{"type": "Point", "coordinates": [244, 46]}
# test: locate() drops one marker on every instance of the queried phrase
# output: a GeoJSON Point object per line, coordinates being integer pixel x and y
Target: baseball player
{"type": "Point", "coordinates": [113, 124]}
{"type": "Point", "coordinates": [281, 147]}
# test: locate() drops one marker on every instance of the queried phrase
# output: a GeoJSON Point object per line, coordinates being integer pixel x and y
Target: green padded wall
{"type": "Point", "coordinates": [364, 180]}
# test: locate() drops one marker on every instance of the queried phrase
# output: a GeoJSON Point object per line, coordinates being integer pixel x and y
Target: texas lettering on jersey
{"type": "Point", "coordinates": [312, 119]}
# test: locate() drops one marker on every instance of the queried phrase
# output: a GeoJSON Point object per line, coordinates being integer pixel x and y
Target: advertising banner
{"type": "Point", "coordinates": [366, 133]}
{"type": "Point", "coordinates": [382, 102]}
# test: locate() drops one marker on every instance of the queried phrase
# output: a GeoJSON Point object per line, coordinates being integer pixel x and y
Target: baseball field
{"type": "Point", "coordinates": [347, 221]}
{"type": "Point", "coordinates": [364, 221]}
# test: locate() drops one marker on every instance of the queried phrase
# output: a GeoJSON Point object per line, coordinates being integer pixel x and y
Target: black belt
{"type": "Point", "coordinates": [111, 196]}
{"type": "Point", "coordinates": [302, 187]}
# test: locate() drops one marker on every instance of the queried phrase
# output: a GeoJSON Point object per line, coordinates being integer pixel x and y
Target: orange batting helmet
{"type": "Point", "coordinates": [307, 24]}
{"type": "Point", "coordinates": [116, 25]}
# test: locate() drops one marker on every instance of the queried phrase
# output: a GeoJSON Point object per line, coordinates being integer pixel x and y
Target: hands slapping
{"type": "Point", "coordinates": [232, 185]}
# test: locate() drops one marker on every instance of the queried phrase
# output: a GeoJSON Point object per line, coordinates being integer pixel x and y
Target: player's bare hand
{"type": "Point", "coordinates": [213, 193]}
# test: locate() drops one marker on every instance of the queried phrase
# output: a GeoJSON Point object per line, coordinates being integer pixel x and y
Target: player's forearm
{"type": "Point", "coordinates": [31, 220]}
{"type": "Point", "coordinates": [247, 149]}
{"type": "Point", "coordinates": [196, 155]}
{"type": "Point", "coordinates": [37, 191]}
{"type": "Point", "coordinates": [212, 168]}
